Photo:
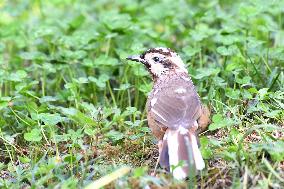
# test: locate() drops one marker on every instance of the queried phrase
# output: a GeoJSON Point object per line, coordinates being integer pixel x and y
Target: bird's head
{"type": "Point", "coordinates": [160, 61]}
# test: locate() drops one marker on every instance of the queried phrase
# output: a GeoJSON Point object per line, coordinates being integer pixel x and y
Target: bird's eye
{"type": "Point", "coordinates": [156, 59]}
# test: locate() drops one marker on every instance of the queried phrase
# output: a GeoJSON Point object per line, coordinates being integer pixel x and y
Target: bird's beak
{"type": "Point", "coordinates": [137, 58]}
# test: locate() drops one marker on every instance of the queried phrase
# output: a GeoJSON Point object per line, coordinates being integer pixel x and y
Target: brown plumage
{"type": "Point", "coordinates": [173, 108]}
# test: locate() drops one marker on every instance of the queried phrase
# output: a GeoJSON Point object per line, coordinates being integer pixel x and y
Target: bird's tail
{"type": "Point", "coordinates": [180, 151]}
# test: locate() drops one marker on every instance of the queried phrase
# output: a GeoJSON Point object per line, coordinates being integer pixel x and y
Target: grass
{"type": "Point", "coordinates": [72, 108]}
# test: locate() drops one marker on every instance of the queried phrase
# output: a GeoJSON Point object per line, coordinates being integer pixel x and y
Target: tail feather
{"type": "Point", "coordinates": [178, 143]}
{"type": "Point", "coordinates": [164, 156]}
{"type": "Point", "coordinates": [199, 162]}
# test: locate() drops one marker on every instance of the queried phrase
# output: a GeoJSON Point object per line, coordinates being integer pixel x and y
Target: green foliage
{"type": "Point", "coordinates": [72, 107]}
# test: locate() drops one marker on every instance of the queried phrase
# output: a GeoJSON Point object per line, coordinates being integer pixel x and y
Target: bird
{"type": "Point", "coordinates": [173, 111]}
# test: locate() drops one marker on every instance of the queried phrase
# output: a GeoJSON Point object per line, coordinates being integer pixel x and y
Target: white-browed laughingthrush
{"type": "Point", "coordinates": [173, 111]}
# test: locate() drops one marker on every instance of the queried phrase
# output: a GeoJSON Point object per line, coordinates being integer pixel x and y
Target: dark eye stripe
{"type": "Point", "coordinates": [156, 59]}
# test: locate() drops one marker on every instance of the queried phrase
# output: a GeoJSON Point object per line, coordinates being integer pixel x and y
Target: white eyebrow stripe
{"type": "Point", "coordinates": [155, 112]}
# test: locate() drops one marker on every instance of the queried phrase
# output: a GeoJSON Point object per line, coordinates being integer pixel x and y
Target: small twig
{"type": "Point", "coordinates": [245, 181]}
{"type": "Point", "coordinates": [108, 178]}
{"type": "Point", "coordinates": [158, 160]}
{"type": "Point", "coordinates": [214, 177]}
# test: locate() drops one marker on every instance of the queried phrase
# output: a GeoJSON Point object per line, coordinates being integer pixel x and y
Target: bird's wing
{"type": "Point", "coordinates": [177, 104]}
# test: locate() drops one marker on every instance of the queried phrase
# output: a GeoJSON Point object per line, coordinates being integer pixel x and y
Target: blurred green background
{"type": "Point", "coordinates": [72, 108]}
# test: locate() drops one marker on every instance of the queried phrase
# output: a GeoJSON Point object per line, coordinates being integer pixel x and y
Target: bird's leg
{"type": "Point", "coordinates": [160, 146]}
